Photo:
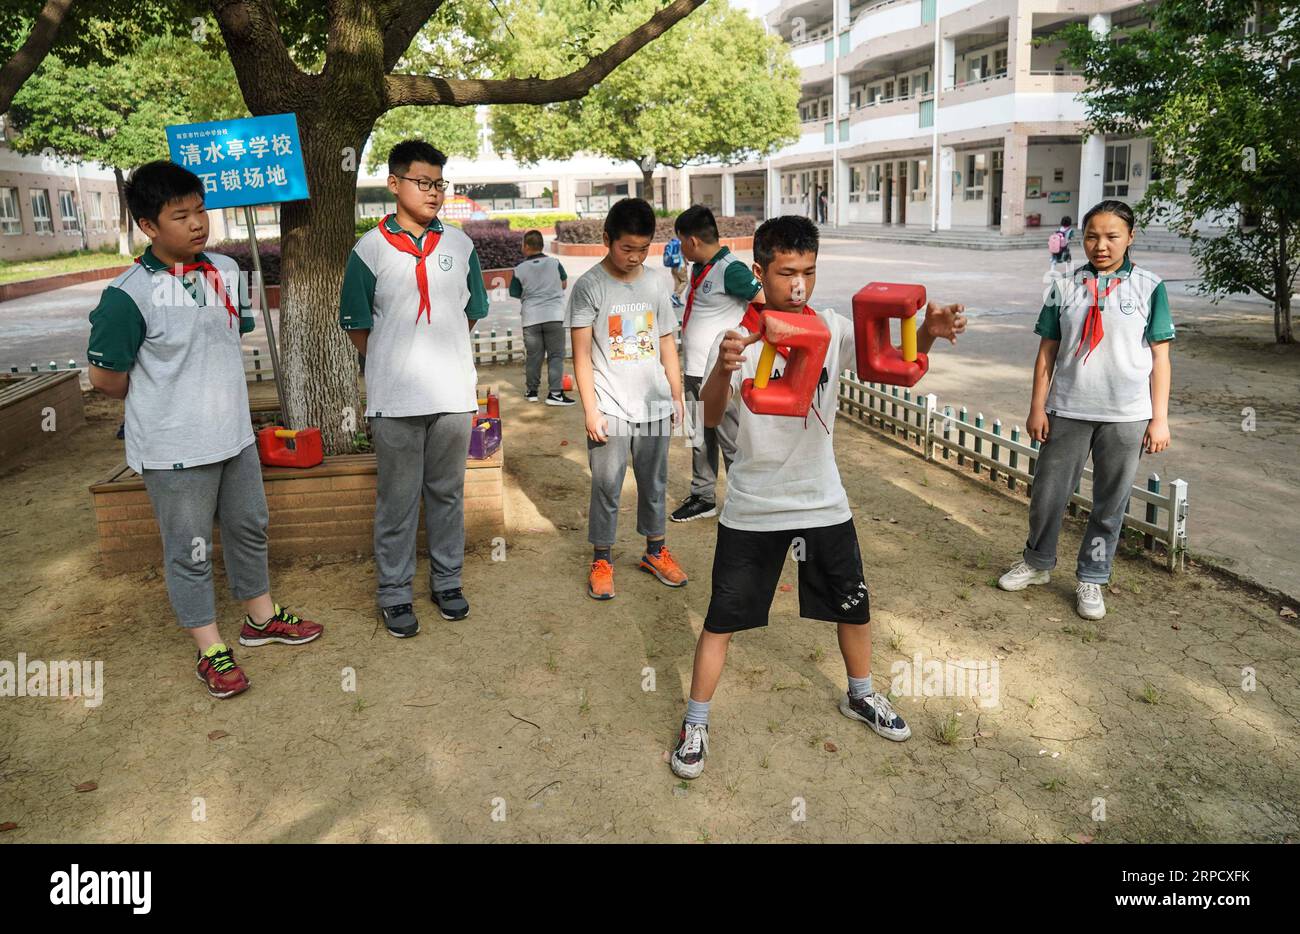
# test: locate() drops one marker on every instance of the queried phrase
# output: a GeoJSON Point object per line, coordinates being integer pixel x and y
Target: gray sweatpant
{"type": "Point", "coordinates": [646, 443]}
{"type": "Point", "coordinates": [419, 455]}
{"type": "Point", "coordinates": [1115, 448]}
{"type": "Point", "coordinates": [547, 338]}
{"type": "Point", "coordinates": [708, 442]}
{"type": "Point", "coordinates": [185, 502]}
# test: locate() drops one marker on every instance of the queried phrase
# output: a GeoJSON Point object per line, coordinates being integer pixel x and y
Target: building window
{"type": "Point", "coordinates": [42, 222]}
{"type": "Point", "coordinates": [976, 171]}
{"type": "Point", "coordinates": [844, 130]}
{"type": "Point", "coordinates": [873, 183]}
{"type": "Point", "coordinates": [855, 184]}
{"type": "Point", "coordinates": [1115, 180]}
{"type": "Point", "coordinates": [889, 91]}
{"type": "Point", "coordinates": [11, 221]}
{"type": "Point", "coordinates": [97, 211]}
{"type": "Point", "coordinates": [977, 67]}
{"type": "Point", "coordinates": [920, 176]}
{"type": "Point", "coordinates": [68, 212]}
{"type": "Point", "coordinates": [828, 132]}
{"type": "Point", "coordinates": [926, 113]}
{"type": "Point", "coordinates": [922, 82]}
{"type": "Point", "coordinates": [1000, 63]}
{"type": "Point", "coordinates": [904, 87]}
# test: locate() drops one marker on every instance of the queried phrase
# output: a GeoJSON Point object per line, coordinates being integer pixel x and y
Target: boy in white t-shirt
{"type": "Point", "coordinates": [784, 489]}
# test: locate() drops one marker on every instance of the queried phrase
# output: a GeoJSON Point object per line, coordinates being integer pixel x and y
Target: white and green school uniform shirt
{"type": "Point", "coordinates": [719, 292]}
{"type": "Point", "coordinates": [178, 338]}
{"type": "Point", "coordinates": [418, 355]}
{"type": "Point", "coordinates": [1104, 375]}
{"type": "Point", "coordinates": [538, 283]}
{"type": "Point", "coordinates": [784, 475]}
{"type": "Point", "coordinates": [627, 321]}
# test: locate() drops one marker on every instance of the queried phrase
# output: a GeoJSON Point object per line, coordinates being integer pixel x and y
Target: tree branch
{"type": "Point", "coordinates": [262, 62]}
{"type": "Point", "coordinates": [402, 26]}
{"type": "Point", "coordinates": [405, 90]}
{"type": "Point", "coordinates": [30, 54]}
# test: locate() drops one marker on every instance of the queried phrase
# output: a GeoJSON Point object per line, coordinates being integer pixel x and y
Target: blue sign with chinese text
{"type": "Point", "coordinates": [252, 160]}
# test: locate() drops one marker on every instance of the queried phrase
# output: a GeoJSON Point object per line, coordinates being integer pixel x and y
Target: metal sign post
{"type": "Point", "coordinates": [266, 315]}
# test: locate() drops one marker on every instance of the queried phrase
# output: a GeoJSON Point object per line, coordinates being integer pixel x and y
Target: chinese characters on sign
{"type": "Point", "coordinates": [255, 160]}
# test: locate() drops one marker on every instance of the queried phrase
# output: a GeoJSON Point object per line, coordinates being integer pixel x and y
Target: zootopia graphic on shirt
{"type": "Point", "coordinates": [632, 333]}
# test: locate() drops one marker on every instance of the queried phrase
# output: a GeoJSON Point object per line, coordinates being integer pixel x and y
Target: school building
{"type": "Point", "coordinates": [941, 114]}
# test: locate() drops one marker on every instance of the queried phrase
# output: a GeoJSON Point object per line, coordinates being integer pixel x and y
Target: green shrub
{"type": "Point", "coordinates": [540, 221]}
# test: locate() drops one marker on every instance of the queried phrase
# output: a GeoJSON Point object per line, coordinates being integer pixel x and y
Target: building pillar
{"type": "Point", "coordinates": [1015, 165]}
{"type": "Point", "coordinates": [949, 64]}
{"type": "Point", "coordinates": [839, 213]}
{"type": "Point", "coordinates": [1092, 159]}
{"type": "Point", "coordinates": [683, 188]}
{"type": "Point", "coordinates": [566, 187]}
{"type": "Point", "coordinates": [728, 194]}
{"type": "Point", "coordinates": [772, 191]}
{"type": "Point", "coordinates": [943, 185]}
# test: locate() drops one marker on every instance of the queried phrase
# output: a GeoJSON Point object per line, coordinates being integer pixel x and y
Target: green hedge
{"type": "Point", "coordinates": [540, 221]}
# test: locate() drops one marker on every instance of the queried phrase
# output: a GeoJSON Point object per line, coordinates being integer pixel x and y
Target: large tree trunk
{"type": "Point", "coordinates": [647, 183]}
{"type": "Point", "coordinates": [318, 363]}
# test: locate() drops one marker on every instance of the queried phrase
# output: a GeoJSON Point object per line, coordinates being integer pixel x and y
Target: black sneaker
{"type": "Point", "coordinates": [692, 747]}
{"type": "Point", "coordinates": [530, 395]}
{"type": "Point", "coordinates": [400, 620]}
{"type": "Point", "coordinates": [559, 398]}
{"type": "Point", "coordinates": [694, 507]}
{"type": "Point", "coordinates": [876, 712]}
{"type": "Point", "coordinates": [451, 603]}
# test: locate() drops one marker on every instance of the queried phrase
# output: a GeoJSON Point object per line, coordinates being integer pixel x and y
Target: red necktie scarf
{"type": "Point", "coordinates": [690, 296]}
{"type": "Point", "coordinates": [212, 276]}
{"type": "Point", "coordinates": [1092, 328]}
{"type": "Point", "coordinates": [403, 243]}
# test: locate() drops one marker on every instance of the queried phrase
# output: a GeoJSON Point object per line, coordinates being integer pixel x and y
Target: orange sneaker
{"type": "Point", "coordinates": [600, 582]}
{"type": "Point", "coordinates": [664, 566]}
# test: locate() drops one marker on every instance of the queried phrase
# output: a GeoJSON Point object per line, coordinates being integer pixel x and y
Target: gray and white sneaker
{"type": "Point", "coordinates": [877, 712]}
{"type": "Point", "coordinates": [530, 395]}
{"type": "Point", "coordinates": [692, 747]}
{"type": "Point", "coordinates": [1022, 576]}
{"type": "Point", "coordinates": [1088, 601]}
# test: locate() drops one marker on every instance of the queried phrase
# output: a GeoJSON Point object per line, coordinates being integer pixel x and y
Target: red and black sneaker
{"type": "Point", "coordinates": [217, 670]}
{"type": "Point", "coordinates": [282, 627]}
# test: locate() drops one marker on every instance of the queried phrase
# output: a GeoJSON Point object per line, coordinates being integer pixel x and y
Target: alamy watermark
{"type": "Point", "coordinates": [55, 678]}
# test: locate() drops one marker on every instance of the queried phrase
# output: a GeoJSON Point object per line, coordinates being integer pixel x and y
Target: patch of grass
{"type": "Point", "coordinates": [360, 705]}
{"type": "Point", "coordinates": [584, 708]}
{"type": "Point", "coordinates": [896, 641]}
{"type": "Point", "coordinates": [551, 664]}
{"type": "Point", "coordinates": [1053, 784]}
{"type": "Point", "coordinates": [772, 726]}
{"type": "Point", "coordinates": [1085, 633]}
{"type": "Point", "coordinates": [684, 785]}
{"type": "Point", "coordinates": [19, 270]}
{"type": "Point", "coordinates": [815, 740]}
{"type": "Point", "coordinates": [889, 770]}
{"type": "Point", "coordinates": [948, 730]}
{"type": "Point", "coordinates": [765, 762]}
{"type": "Point", "coordinates": [1149, 695]}
{"type": "Point", "coordinates": [816, 655]}
{"type": "Point", "coordinates": [732, 786]}
{"type": "Point", "coordinates": [963, 594]}
{"type": "Point", "coordinates": [704, 836]}
{"type": "Point", "coordinates": [1033, 702]}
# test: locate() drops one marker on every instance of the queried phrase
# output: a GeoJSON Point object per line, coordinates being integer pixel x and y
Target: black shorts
{"type": "Point", "coordinates": [747, 568]}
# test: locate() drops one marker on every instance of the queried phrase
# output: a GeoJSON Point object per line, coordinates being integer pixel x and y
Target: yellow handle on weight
{"type": "Point", "coordinates": [766, 361]}
{"type": "Point", "coordinates": [908, 326]}
{"type": "Point", "coordinates": [285, 433]}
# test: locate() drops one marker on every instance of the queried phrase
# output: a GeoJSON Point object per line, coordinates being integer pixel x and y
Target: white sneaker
{"type": "Point", "coordinates": [1088, 601]}
{"type": "Point", "coordinates": [692, 747]}
{"type": "Point", "coordinates": [1022, 576]}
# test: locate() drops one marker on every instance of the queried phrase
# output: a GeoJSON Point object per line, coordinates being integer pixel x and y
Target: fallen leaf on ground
{"type": "Point", "coordinates": [830, 747]}
{"type": "Point", "coordinates": [217, 734]}
{"type": "Point", "coordinates": [85, 786]}
{"type": "Point", "coordinates": [1287, 613]}
{"type": "Point", "coordinates": [786, 588]}
{"type": "Point", "coordinates": [7, 826]}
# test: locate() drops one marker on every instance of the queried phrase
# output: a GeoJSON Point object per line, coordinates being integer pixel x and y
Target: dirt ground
{"type": "Point", "coordinates": [532, 721]}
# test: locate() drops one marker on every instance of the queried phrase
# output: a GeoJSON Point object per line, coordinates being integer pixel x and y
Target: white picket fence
{"type": "Point", "coordinates": [1158, 510]}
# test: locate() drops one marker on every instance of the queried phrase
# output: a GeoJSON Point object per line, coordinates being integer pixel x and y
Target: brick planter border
{"type": "Point", "coordinates": [23, 400]}
{"type": "Point", "coordinates": [327, 509]}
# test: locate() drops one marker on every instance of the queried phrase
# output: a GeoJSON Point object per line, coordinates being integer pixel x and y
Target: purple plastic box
{"type": "Point", "coordinates": [485, 438]}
